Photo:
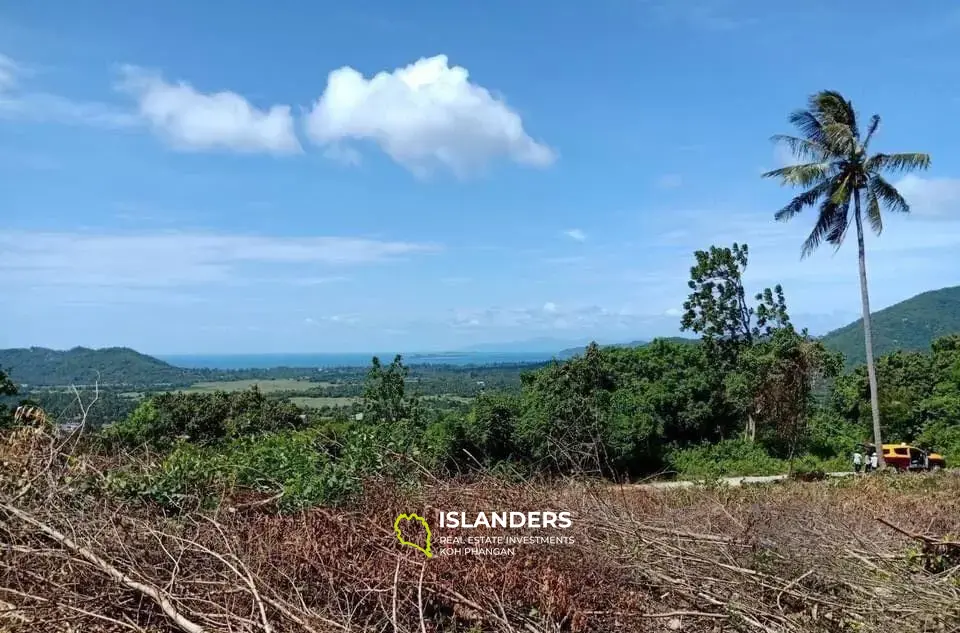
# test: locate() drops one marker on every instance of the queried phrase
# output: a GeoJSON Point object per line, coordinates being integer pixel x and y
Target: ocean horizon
{"type": "Point", "coordinates": [354, 359]}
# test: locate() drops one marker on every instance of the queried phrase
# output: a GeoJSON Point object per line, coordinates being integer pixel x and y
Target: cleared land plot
{"type": "Point", "coordinates": [317, 402]}
{"type": "Point", "coordinates": [266, 386]}
{"type": "Point", "coordinates": [452, 398]}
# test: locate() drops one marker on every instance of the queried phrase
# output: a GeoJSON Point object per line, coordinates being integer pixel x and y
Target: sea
{"type": "Point", "coordinates": [269, 361]}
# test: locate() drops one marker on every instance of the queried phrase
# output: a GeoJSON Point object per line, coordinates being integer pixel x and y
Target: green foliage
{"type": "Point", "coordinates": [717, 307]}
{"type": "Point", "coordinates": [287, 463]}
{"type": "Point", "coordinates": [728, 458]}
{"type": "Point", "coordinates": [384, 394]}
{"type": "Point", "coordinates": [202, 418]}
{"type": "Point", "coordinates": [840, 170]}
{"type": "Point", "coordinates": [910, 325]}
{"type": "Point", "coordinates": [487, 432]}
{"type": "Point", "coordinates": [39, 366]}
{"type": "Point", "coordinates": [919, 394]}
{"type": "Point", "coordinates": [7, 389]}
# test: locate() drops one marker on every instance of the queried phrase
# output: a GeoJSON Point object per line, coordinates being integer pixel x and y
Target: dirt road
{"type": "Point", "coordinates": [730, 481]}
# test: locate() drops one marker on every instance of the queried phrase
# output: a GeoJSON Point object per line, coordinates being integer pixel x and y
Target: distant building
{"type": "Point", "coordinates": [358, 417]}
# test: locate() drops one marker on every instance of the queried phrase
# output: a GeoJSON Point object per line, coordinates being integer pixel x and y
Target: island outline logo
{"type": "Point", "coordinates": [399, 533]}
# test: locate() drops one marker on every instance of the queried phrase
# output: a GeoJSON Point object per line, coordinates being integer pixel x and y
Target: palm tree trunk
{"type": "Point", "coordinates": [867, 332]}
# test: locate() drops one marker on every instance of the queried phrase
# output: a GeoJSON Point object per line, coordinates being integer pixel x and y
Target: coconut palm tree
{"type": "Point", "coordinates": [836, 170]}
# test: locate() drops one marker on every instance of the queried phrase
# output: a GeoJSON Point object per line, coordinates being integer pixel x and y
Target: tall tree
{"type": "Point", "coordinates": [836, 171]}
{"type": "Point", "coordinates": [384, 392]}
{"type": "Point", "coordinates": [718, 310]}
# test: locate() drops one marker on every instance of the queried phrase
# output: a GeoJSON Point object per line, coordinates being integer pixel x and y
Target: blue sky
{"type": "Point", "coordinates": [303, 176]}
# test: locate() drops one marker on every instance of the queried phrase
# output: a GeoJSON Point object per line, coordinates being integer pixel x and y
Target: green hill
{"type": "Point", "coordinates": [909, 325]}
{"type": "Point", "coordinates": [39, 366]}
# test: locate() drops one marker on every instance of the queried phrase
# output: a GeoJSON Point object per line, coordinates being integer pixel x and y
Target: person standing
{"type": "Point", "coordinates": [857, 461]}
{"type": "Point", "coordinates": [873, 460]}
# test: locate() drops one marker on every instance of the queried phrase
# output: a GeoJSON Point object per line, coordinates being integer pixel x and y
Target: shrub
{"type": "Point", "coordinates": [202, 418]}
{"type": "Point", "coordinates": [289, 462]}
{"type": "Point", "coordinates": [728, 458]}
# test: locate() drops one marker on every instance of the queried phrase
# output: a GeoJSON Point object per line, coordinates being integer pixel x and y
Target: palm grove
{"type": "Point", "coordinates": [753, 395]}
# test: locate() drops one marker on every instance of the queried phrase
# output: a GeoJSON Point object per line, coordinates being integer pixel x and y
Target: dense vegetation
{"type": "Point", "coordinates": [910, 325]}
{"type": "Point", "coordinates": [121, 366]}
{"type": "Point", "coordinates": [755, 396]}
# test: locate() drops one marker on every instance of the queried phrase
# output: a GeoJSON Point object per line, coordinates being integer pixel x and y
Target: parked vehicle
{"type": "Point", "coordinates": [904, 457]}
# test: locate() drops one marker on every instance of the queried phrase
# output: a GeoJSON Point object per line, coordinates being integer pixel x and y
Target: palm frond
{"type": "Point", "coordinates": [841, 188]}
{"type": "Point", "coordinates": [801, 175]}
{"type": "Point", "coordinates": [888, 195]}
{"type": "Point", "coordinates": [831, 107]}
{"type": "Point", "coordinates": [806, 199]}
{"type": "Point", "coordinates": [898, 163]}
{"type": "Point", "coordinates": [802, 148]}
{"type": "Point", "coordinates": [873, 211]}
{"type": "Point", "coordinates": [871, 129]}
{"type": "Point", "coordinates": [808, 124]}
{"type": "Point", "coordinates": [841, 224]}
{"type": "Point", "coordinates": [827, 220]}
{"type": "Point", "coordinates": [840, 199]}
{"type": "Point", "coordinates": [840, 138]}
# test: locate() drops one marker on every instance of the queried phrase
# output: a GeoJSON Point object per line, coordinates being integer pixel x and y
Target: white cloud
{"type": "Point", "coordinates": [47, 107]}
{"type": "Point", "coordinates": [9, 70]}
{"type": "Point", "coordinates": [930, 196]}
{"type": "Point", "coordinates": [176, 258]}
{"type": "Point", "coordinates": [342, 319]}
{"type": "Point", "coordinates": [423, 115]}
{"type": "Point", "coordinates": [192, 120]}
{"type": "Point", "coordinates": [670, 181]}
{"type": "Point", "coordinates": [673, 312]}
{"type": "Point", "coordinates": [588, 318]}
{"type": "Point", "coordinates": [576, 234]}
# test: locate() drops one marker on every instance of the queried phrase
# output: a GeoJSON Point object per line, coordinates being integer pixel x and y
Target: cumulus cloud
{"type": "Point", "coordinates": [576, 234]}
{"type": "Point", "coordinates": [192, 120]}
{"type": "Point", "coordinates": [177, 258]}
{"type": "Point", "coordinates": [931, 196]}
{"type": "Point", "coordinates": [549, 306]}
{"type": "Point", "coordinates": [423, 115]}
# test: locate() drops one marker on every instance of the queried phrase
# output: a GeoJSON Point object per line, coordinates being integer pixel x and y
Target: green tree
{"type": "Point", "coordinates": [778, 375]}
{"type": "Point", "coordinates": [564, 413]}
{"type": "Point", "coordinates": [839, 171]}
{"type": "Point", "coordinates": [719, 311]}
{"type": "Point", "coordinates": [384, 394]}
{"type": "Point", "coordinates": [7, 388]}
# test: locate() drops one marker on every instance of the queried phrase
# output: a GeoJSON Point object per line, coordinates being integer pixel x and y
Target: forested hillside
{"type": "Point", "coordinates": [39, 366]}
{"type": "Point", "coordinates": [910, 325]}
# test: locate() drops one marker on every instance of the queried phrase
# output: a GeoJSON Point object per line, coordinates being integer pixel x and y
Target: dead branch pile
{"type": "Point", "coordinates": [800, 557]}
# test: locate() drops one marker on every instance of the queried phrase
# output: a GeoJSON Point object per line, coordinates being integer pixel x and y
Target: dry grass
{"type": "Point", "coordinates": [797, 557]}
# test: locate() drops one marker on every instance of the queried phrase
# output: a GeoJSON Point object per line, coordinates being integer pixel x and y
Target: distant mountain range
{"type": "Point", "coordinates": [909, 325]}
{"type": "Point", "coordinates": [539, 345]}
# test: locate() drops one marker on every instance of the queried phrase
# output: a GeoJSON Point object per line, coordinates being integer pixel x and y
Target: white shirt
{"type": "Point", "coordinates": [857, 458]}
{"type": "Point", "coordinates": [873, 461]}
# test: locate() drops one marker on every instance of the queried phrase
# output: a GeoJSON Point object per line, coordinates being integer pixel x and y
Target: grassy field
{"type": "Point", "coordinates": [266, 386]}
{"type": "Point", "coordinates": [316, 403]}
